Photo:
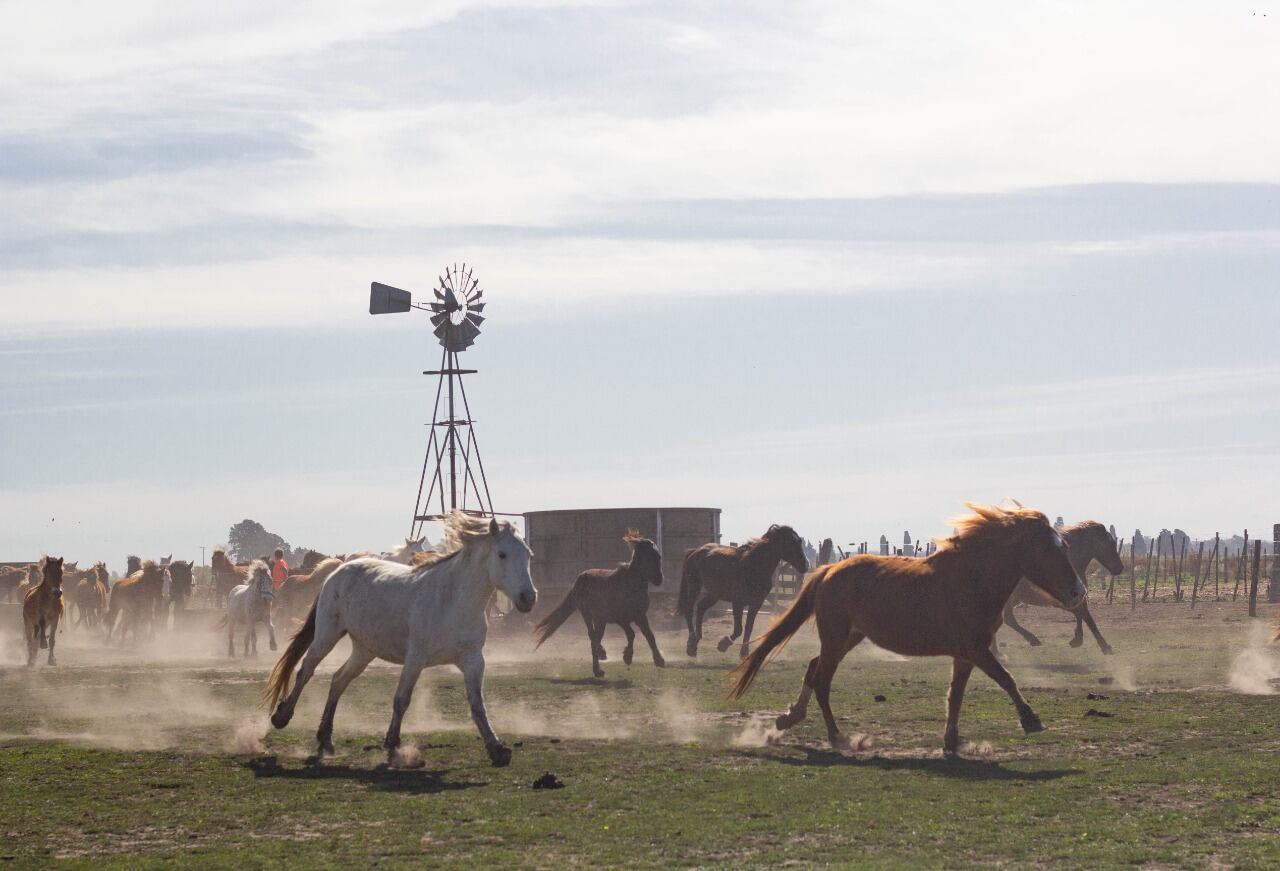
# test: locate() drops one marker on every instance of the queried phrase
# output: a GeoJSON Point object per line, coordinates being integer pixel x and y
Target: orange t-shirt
{"type": "Point", "coordinates": [279, 572]}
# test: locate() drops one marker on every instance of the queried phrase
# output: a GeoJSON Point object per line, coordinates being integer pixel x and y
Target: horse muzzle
{"type": "Point", "coordinates": [525, 602]}
{"type": "Point", "coordinates": [1078, 596]}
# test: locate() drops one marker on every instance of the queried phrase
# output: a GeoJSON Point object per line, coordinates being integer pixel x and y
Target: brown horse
{"type": "Point", "coordinates": [1086, 542]}
{"type": "Point", "coordinates": [41, 610]}
{"type": "Point", "coordinates": [298, 592]}
{"type": "Point", "coordinates": [139, 597]}
{"type": "Point", "coordinates": [89, 593]}
{"type": "Point", "coordinates": [13, 578]}
{"type": "Point", "coordinates": [619, 595]}
{"type": "Point", "coordinates": [226, 574]}
{"type": "Point", "coordinates": [946, 604]}
{"type": "Point", "coordinates": [743, 575]}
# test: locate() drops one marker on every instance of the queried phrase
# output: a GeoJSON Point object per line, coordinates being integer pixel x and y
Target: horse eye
{"type": "Point", "coordinates": [502, 555]}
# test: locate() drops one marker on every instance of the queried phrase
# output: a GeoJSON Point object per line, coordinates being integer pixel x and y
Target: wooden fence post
{"type": "Point", "coordinates": [1146, 581]}
{"type": "Point", "coordinates": [1242, 565]}
{"type": "Point", "coordinates": [1273, 591]}
{"type": "Point", "coordinates": [1253, 583]}
{"type": "Point", "coordinates": [1133, 576]}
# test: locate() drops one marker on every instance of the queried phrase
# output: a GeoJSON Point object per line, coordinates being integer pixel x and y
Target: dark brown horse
{"type": "Point", "coordinates": [226, 574]}
{"type": "Point", "coordinates": [42, 609]}
{"type": "Point", "coordinates": [181, 582]}
{"type": "Point", "coordinates": [742, 575]}
{"type": "Point", "coordinates": [89, 594]}
{"type": "Point", "coordinates": [619, 595]}
{"type": "Point", "coordinates": [1086, 542]}
{"type": "Point", "coordinates": [138, 597]}
{"type": "Point", "coordinates": [132, 564]}
{"type": "Point", "coordinates": [947, 604]}
{"type": "Point", "coordinates": [12, 579]}
{"type": "Point", "coordinates": [298, 592]}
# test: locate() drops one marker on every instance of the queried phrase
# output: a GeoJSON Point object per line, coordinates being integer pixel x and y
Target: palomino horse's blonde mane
{"type": "Point", "coordinates": [987, 522]}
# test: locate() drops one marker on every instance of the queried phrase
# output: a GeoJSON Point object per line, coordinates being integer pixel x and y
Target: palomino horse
{"type": "Point", "coordinates": [250, 604]}
{"type": "Point", "coordinates": [226, 574]}
{"type": "Point", "coordinates": [138, 597]}
{"type": "Point", "coordinates": [89, 593]}
{"type": "Point", "coordinates": [298, 592]}
{"type": "Point", "coordinates": [433, 615]}
{"type": "Point", "coordinates": [404, 553]}
{"type": "Point", "coordinates": [947, 604]}
{"type": "Point", "coordinates": [743, 575]}
{"type": "Point", "coordinates": [1086, 542]}
{"type": "Point", "coordinates": [41, 610]}
{"type": "Point", "coordinates": [618, 596]}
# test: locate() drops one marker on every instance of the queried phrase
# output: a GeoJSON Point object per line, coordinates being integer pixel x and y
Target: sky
{"type": "Point", "coordinates": [838, 265]}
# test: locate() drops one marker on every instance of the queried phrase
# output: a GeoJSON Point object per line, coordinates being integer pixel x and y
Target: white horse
{"type": "Point", "coordinates": [416, 617]}
{"type": "Point", "coordinates": [250, 604]}
{"type": "Point", "coordinates": [405, 552]}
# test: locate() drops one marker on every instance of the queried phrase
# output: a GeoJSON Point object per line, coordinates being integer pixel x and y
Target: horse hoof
{"type": "Point", "coordinates": [724, 644]}
{"type": "Point", "coordinates": [1075, 642]}
{"type": "Point", "coordinates": [499, 755]}
{"type": "Point", "coordinates": [691, 648]}
{"type": "Point", "coordinates": [281, 717]}
{"type": "Point", "coordinates": [326, 749]}
{"type": "Point", "coordinates": [1035, 642]}
{"type": "Point", "coordinates": [273, 645]}
{"type": "Point", "coordinates": [1107, 651]}
{"type": "Point", "coordinates": [626, 657]}
{"type": "Point", "coordinates": [1032, 724]}
{"type": "Point", "coordinates": [659, 662]}
{"type": "Point", "coordinates": [601, 655]}
{"type": "Point", "coordinates": [598, 672]}
{"type": "Point", "coordinates": [787, 720]}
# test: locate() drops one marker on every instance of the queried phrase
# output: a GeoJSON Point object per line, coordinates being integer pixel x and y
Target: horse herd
{"type": "Point", "coordinates": [420, 608]}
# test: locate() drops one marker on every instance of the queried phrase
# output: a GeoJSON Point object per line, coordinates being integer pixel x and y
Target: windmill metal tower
{"type": "Point", "coordinates": [452, 471]}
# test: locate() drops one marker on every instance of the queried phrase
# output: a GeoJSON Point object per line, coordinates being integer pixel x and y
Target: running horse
{"type": "Point", "coordinates": [42, 609]}
{"type": "Point", "coordinates": [946, 604]}
{"type": "Point", "coordinates": [250, 603]}
{"type": "Point", "coordinates": [298, 592]}
{"type": "Point", "coordinates": [226, 574]}
{"type": "Point", "coordinates": [619, 595]}
{"type": "Point", "coordinates": [743, 575]}
{"type": "Point", "coordinates": [1086, 542]}
{"type": "Point", "coordinates": [417, 617]}
{"type": "Point", "coordinates": [181, 583]}
{"type": "Point", "coordinates": [12, 578]}
{"type": "Point", "coordinates": [89, 592]}
{"type": "Point", "coordinates": [135, 600]}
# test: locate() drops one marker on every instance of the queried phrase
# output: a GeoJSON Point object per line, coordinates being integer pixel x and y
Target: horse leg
{"type": "Point", "coordinates": [960, 671]}
{"type": "Point", "coordinates": [472, 667]}
{"type": "Point", "coordinates": [399, 704]}
{"type": "Point", "coordinates": [1082, 612]}
{"type": "Point", "coordinates": [323, 642]}
{"type": "Point", "coordinates": [701, 612]}
{"type": "Point", "coordinates": [231, 636]}
{"type": "Point", "coordinates": [643, 622]}
{"type": "Point", "coordinates": [752, 611]}
{"type": "Point", "coordinates": [53, 638]}
{"type": "Point", "coordinates": [630, 649]}
{"type": "Point", "coordinates": [271, 633]}
{"type": "Point", "coordinates": [596, 631]}
{"type": "Point", "coordinates": [1012, 623]}
{"type": "Point", "coordinates": [33, 644]}
{"type": "Point", "coordinates": [828, 662]}
{"type": "Point", "coordinates": [356, 663]}
{"type": "Point", "coordinates": [727, 642]}
{"type": "Point", "coordinates": [250, 632]}
{"type": "Point", "coordinates": [997, 672]}
{"type": "Point", "coordinates": [800, 707]}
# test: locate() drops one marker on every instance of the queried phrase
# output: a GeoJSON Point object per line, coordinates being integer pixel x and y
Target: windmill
{"type": "Point", "coordinates": [453, 461]}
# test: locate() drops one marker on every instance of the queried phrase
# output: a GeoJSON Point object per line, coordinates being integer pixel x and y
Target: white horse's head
{"type": "Point", "coordinates": [260, 579]}
{"type": "Point", "coordinates": [504, 555]}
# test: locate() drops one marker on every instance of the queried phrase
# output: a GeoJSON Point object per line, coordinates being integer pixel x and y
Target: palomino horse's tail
{"type": "Point", "coordinates": [278, 683]}
{"type": "Point", "coordinates": [690, 586]}
{"type": "Point", "coordinates": [777, 636]}
{"type": "Point", "coordinates": [548, 625]}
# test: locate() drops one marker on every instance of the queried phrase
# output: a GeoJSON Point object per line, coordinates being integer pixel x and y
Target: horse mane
{"type": "Point", "coordinates": [988, 523]}
{"type": "Point", "coordinates": [428, 558]}
{"type": "Point", "coordinates": [753, 544]}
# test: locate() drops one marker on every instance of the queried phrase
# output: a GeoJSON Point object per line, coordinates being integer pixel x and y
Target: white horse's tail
{"type": "Point", "coordinates": [278, 683]}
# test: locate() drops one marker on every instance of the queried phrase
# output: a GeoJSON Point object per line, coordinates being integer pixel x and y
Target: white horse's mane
{"type": "Point", "coordinates": [461, 529]}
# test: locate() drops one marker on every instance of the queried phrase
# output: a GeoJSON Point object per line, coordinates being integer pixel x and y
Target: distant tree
{"type": "Point", "coordinates": [248, 540]}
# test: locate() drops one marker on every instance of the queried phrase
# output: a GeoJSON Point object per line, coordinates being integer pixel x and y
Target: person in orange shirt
{"type": "Point", "coordinates": [279, 569]}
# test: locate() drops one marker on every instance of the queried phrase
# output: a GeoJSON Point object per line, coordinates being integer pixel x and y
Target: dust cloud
{"type": "Point", "coordinates": [1255, 667]}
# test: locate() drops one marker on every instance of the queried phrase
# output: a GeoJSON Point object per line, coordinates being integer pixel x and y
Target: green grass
{"type": "Point", "coordinates": [132, 764]}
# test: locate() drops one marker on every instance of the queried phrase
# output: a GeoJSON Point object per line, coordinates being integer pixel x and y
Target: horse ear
{"type": "Point", "coordinates": [493, 526]}
{"type": "Point", "coordinates": [408, 541]}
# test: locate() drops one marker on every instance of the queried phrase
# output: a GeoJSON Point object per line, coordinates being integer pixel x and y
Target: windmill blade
{"type": "Point", "coordinates": [442, 332]}
{"type": "Point", "coordinates": [476, 307]}
{"type": "Point", "coordinates": [437, 320]}
{"type": "Point", "coordinates": [478, 294]}
{"type": "Point", "coordinates": [475, 319]}
{"type": "Point", "coordinates": [468, 331]}
{"type": "Point", "coordinates": [451, 299]}
{"type": "Point", "coordinates": [439, 294]}
{"type": "Point", "coordinates": [436, 306]}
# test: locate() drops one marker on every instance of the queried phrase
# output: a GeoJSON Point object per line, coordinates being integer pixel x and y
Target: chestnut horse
{"type": "Point", "coordinates": [1086, 542]}
{"type": "Point", "coordinates": [12, 579]}
{"type": "Point", "coordinates": [296, 594]}
{"type": "Point", "coordinates": [41, 610]}
{"type": "Point", "coordinates": [139, 597]}
{"type": "Point", "coordinates": [618, 596]}
{"type": "Point", "coordinates": [743, 575]}
{"type": "Point", "coordinates": [946, 604]}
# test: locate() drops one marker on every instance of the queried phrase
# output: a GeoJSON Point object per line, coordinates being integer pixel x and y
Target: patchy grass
{"type": "Point", "coordinates": [133, 763]}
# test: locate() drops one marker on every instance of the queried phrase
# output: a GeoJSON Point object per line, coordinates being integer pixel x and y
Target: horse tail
{"type": "Point", "coordinates": [278, 683]}
{"type": "Point", "coordinates": [777, 636]}
{"type": "Point", "coordinates": [690, 585]}
{"type": "Point", "coordinates": [548, 625]}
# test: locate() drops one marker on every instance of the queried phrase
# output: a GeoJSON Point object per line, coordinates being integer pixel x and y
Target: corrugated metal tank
{"type": "Point", "coordinates": [565, 543]}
